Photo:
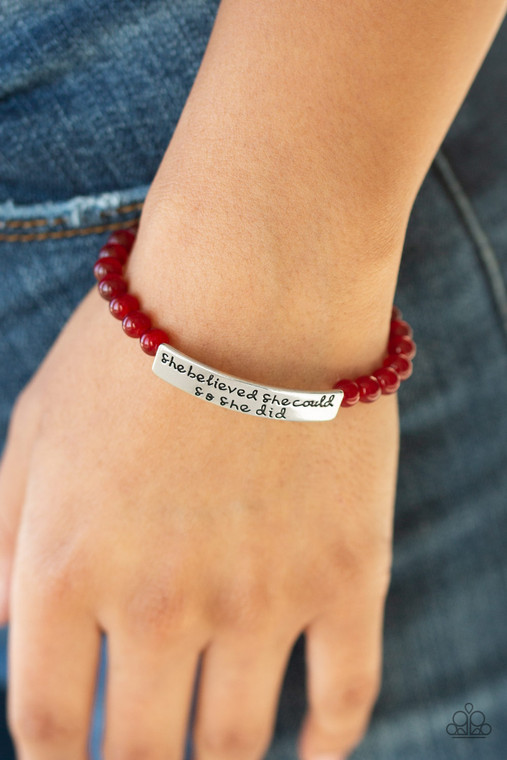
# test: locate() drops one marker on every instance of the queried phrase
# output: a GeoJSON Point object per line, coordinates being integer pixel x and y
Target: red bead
{"type": "Point", "coordinates": [114, 249]}
{"type": "Point", "coordinates": [123, 305]}
{"type": "Point", "coordinates": [107, 265]}
{"type": "Point", "coordinates": [396, 313]}
{"type": "Point", "coordinates": [151, 340]}
{"type": "Point", "coordinates": [388, 379]}
{"type": "Point", "coordinates": [111, 286]}
{"type": "Point", "coordinates": [136, 323]}
{"type": "Point", "coordinates": [401, 344]}
{"type": "Point", "coordinates": [400, 327]}
{"type": "Point", "coordinates": [124, 238]}
{"type": "Point", "coordinates": [369, 388]}
{"type": "Point", "coordinates": [400, 363]}
{"type": "Point", "coordinates": [350, 392]}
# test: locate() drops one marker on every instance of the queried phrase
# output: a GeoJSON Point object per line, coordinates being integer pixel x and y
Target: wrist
{"type": "Point", "coordinates": [236, 299]}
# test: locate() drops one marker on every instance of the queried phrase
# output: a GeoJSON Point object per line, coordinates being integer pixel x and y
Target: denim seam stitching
{"type": "Point", "coordinates": [27, 223]}
{"type": "Point", "coordinates": [29, 237]}
{"type": "Point", "coordinates": [484, 249]}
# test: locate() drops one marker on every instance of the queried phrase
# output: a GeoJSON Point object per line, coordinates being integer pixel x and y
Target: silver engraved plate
{"type": "Point", "coordinates": [230, 392]}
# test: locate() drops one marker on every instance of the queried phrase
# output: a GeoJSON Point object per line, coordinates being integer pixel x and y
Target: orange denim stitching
{"type": "Point", "coordinates": [29, 223]}
{"type": "Point", "coordinates": [21, 223]}
{"type": "Point", "coordinates": [28, 237]}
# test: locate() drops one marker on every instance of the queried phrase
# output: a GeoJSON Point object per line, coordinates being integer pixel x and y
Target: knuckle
{"type": "Point", "coordinates": [157, 610]}
{"type": "Point", "coordinates": [361, 692]}
{"type": "Point", "coordinates": [61, 569]}
{"type": "Point", "coordinates": [39, 724]}
{"type": "Point", "coordinates": [344, 564]}
{"type": "Point", "coordinates": [343, 717]}
{"type": "Point", "coordinates": [356, 696]}
{"type": "Point", "coordinates": [368, 565]}
{"type": "Point", "coordinates": [232, 742]}
{"type": "Point", "coordinates": [244, 605]}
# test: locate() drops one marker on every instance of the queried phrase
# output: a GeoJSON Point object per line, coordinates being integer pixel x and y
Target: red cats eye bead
{"type": "Point", "coordinates": [401, 344]}
{"type": "Point", "coordinates": [136, 323]}
{"type": "Point", "coordinates": [388, 379]}
{"type": "Point", "coordinates": [115, 250]}
{"type": "Point", "coordinates": [369, 388]}
{"type": "Point", "coordinates": [107, 265]}
{"type": "Point", "coordinates": [111, 286]}
{"type": "Point", "coordinates": [350, 392]}
{"type": "Point", "coordinates": [132, 231]}
{"type": "Point", "coordinates": [151, 340]}
{"type": "Point", "coordinates": [396, 313]}
{"type": "Point", "coordinates": [124, 238]}
{"type": "Point", "coordinates": [400, 327]}
{"type": "Point", "coordinates": [123, 305]}
{"type": "Point", "coordinates": [400, 363]}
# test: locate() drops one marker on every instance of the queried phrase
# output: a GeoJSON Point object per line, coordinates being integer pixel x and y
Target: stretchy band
{"type": "Point", "coordinates": [235, 393]}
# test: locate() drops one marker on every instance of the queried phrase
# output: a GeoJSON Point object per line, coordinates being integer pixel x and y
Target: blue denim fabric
{"type": "Point", "coordinates": [90, 95]}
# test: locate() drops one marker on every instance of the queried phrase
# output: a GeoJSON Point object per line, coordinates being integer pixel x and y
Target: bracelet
{"type": "Point", "coordinates": [232, 392]}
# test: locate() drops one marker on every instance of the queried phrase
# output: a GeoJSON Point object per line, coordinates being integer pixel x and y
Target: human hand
{"type": "Point", "coordinates": [178, 528]}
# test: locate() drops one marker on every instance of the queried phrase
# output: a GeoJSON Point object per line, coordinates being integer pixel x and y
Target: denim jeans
{"type": "Point", "coordinates": [91, 93]}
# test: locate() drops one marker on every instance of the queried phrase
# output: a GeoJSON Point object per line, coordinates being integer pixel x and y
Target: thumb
{"type": "Point", "coordinates": [13, 476]}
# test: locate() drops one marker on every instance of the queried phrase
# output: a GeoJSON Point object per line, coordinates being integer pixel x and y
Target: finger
{"type": "Point", "coordinates": [54, 651]}
{"type": "Point", "coordinates": [343, 660]}
{"type": "Point", "coordinates": [237, 702]}
{"type": "Point", "coordinates": [13, 476]}
{"type": "Point", "coordinates": [151, 671]}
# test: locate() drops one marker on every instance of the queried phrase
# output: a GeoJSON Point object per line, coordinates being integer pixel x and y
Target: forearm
{"type": "Point", "coordinates": [294, 166]}
{"type": "Point", "coordinates": [328, 95]}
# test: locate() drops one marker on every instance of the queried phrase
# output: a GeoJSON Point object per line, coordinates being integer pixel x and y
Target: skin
{"type": "Point", "coordinates": [188, 531]}
{"type": "Point", "coordinates": [181, 529]}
